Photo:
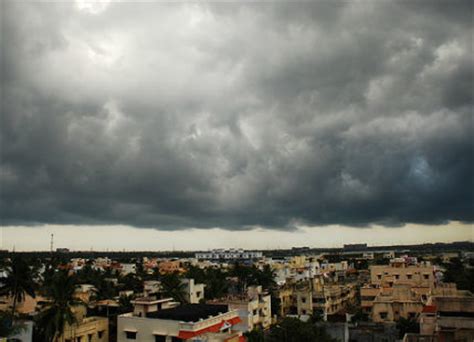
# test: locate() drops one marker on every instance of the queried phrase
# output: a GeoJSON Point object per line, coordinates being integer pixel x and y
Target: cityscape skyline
{"type": "Point", "coordinates": [119, 238]}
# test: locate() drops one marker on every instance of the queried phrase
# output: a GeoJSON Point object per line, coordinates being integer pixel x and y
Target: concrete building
{"type": "Point", "coordinates": [412, 283]}
{"type": "Point", "coordinates": [90, 329]}
{"type": "Point", "coordinates": [170, 266]}
{"type": "Point", "coordinates": [230, 254]}
{"type": "Point", "coordinates": [325, 298]}
{"type": "Point", "coordinates": [254, 308]}
{"type": "Point", "coordinates": [128, 269]}
{"type": "Point", "coordinates": [151, 287]}
{"type": "Point", "coordinates": [449, 318]}
{"type": "Point", "coordinates": [190, 322]}
{"type": "Point", "coordinates": [194, 292]}
{"type": "Point", "coordinates": [401, 273]}
{"type": "Point", "coordinates": [284, 296]}
{"type": "Point", "coordinates": [27, 306]}
{"type": "Point", "coordinates": [144, 305]}
{"type": "Point", "coordinates": [399, 301]}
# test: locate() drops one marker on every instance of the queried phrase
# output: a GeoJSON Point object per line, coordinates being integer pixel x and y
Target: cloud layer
{"type": "Point", "coordinates": [233, 115]}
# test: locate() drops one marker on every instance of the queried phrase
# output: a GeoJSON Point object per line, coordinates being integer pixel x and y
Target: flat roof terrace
{"type": "Point", "coordinates": [189, 312]}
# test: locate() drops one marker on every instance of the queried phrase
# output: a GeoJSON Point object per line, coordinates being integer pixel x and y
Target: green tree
{"type": "Point", "coordinates": [457, 272]}
{"type": "Point", "coordinates": [255, 335]}
{"type": "Point", "coordinates": [19, 282]}
{"type": "Point", "coordinates": [407, 326]}
{"type": "Point", "coordinates": [174, 287]}
{"type": "Point", "coordinates": [244, 276]}
{"type": "Point", "coordinates": [295, 330]}
{"type": "Point", "coordinates": [59, 309]}
{"type": "Point", "coordinates": [125, 304]}
{"type": "Point", "coordinates": [265, 277]}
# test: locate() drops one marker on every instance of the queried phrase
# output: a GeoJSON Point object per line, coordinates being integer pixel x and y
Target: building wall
{"type": "Point", "coordinates": [304, 302]}
{"type": "Point", "coordinates": [146, 328]}
{"type": "Point", "coordinates": [412, 275]}
{"type": "Point", "coordinates": [128, 268]}
{"type": "Point", "coordinates": [26, 306]}
{"type": "Point", "coordinates": [285, 298]}
{"type": "Point", "coordinates": [254, 312]}
{"type": "Point", "coordinates": [194, 292]}
{"type": "Point", "coordinates": [367, 296]}
{"type": "Point", "coordinates": [170, 266]}
{"type": "Point", "coordinates": [93, 329]}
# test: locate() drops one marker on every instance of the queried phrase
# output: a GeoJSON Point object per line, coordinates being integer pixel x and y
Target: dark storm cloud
{"type": "Point", "coordinates": [234, 116]}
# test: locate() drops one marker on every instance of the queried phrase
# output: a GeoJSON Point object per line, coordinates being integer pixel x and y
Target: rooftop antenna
{"type": "Point", "coordinates": [51, 243]}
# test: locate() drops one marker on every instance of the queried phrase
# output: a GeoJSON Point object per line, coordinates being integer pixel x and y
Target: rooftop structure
{"type": "Point", "coordinates": [189, 312]}
{"type": "Point", "coordinates": [202, 322]}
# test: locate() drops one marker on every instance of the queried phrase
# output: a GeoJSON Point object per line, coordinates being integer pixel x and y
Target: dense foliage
{"type": "Point", "coordinates": [457, 272]}
{"type": "Point", "coordinates": [295, 330]}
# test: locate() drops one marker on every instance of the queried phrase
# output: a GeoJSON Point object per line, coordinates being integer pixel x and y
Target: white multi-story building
{"type": "Point", "coordinates": [190, 322]}
{"type": "Point", "coordinates": [230, 254]}
{"type": "Point", "coordinates": [128, 268]}
{"type": "Point", "coordinates": [194, 292]}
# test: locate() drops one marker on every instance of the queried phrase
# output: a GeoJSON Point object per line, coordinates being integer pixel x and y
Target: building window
{"type": "Point", "coordinates": [303, 312]}
{"type": "Point", "coordinates": [426, 276]}
{"type": "Point", "coordinates": [160, 338]}
{"type": "Point", "coordinates": [131, 335]}
{"type": "Point", "coordinates": [383, 315]}
{"type": "Point", "coordinates": [379, 276]}
{"type": "Point", "coordinates": [89, 337]}
{"type": "Point", "coordinates": [100, 333]}
{"type": "Point", "coordinates": [409, 276]}
{"type": "Point", "coordinates": [397, 276]}
{"type": "Point", "coordinates": [303, 299]}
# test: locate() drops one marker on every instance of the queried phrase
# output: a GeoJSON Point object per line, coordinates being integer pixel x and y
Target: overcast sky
{"type": "Point", "coordinates": [195, 124]}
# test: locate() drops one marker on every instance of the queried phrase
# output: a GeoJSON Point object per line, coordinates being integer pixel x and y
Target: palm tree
{"type": "Point", "coordinates": [59, 310]}
{"type": "Point", "coordinates": [19, 282]}
{"type": "Point", "coordinates": [217, 285]}
{"type": "Point", "coordinates": [174, 287]}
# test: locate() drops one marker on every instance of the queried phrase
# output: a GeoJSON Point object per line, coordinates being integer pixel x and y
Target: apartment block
{"type": "Point", "coordinates": [254, 308]}
{"type": "Point", "coordinates": [190, 322]}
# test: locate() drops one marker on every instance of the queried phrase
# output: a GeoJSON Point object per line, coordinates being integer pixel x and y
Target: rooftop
{"type": "Point", "coordinates": [189, 312]}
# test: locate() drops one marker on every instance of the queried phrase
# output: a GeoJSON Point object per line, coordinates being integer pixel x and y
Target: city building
{"type": "Point", "coordinates": [90, 329]}
{"type": "Point", "coordinates": [230, 254]}
{"type": "Point", "coordinates": [189, 322]}
{"type": "Point", "coordinates": [398, 301]}
{"type": "Point", "coordinates": [144, 305]}
{"type": "Point", "coordinates": [128, 268]}
{"type": "Point", "coordinates": [254, 308]}
{"type": "Point", "coordinates": [170, 266]}
{"type": "Point", "coordinates": [323, 297]}
{"type": "Point", "coordinates": [194, 292]}
{"type": "Point", "coordinates": [449, 318]}
{"type": "Point", "coordinates": [412, 283]}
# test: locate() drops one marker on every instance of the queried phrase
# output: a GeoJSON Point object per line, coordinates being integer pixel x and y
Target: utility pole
{"type": "Point", "coordinates": [51, 243]}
